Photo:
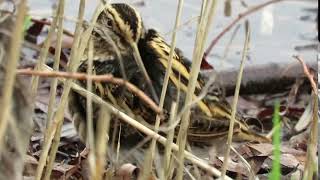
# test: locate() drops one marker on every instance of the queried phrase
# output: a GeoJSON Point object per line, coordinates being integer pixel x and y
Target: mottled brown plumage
{"type": "Point", "coordinates": [122, 23]}
{"type": "Point", "coordinates": [111, 38]}
{"type": "Point", "coordinates": [210, 117]}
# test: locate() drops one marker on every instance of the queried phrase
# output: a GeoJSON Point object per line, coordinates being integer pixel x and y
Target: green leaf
{"type": "Point", "coordinates": [27, 23]}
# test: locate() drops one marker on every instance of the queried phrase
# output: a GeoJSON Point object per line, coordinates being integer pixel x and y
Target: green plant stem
{"type": "Point", "coordinates": [276, 141]}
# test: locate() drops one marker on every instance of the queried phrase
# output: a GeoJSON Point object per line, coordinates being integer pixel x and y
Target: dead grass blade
{"type": "Point", "coordinates": [53, 131]}
{"type": "Point", "coordinates": [147, 166]}
{"type": "Point", "coordinates": [235, 100]}
{"type": "Point", "coordinates": [311, 170]}
{"type": "Point", "coordinates": [8, 85]}
{"type": "Point", "coordinates": [54, 82]}
{"type": "Point", "coordinates": [207, 14]}
{"type": "Point", "coordinates": [44, 53]}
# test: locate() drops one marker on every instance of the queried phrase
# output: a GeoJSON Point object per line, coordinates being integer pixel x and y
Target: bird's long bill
{"type": "Point", "coordinates": [140, 64]}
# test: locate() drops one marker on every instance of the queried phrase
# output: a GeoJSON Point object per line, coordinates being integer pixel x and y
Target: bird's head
{"type": "Point", "coordinates": [120, 22]}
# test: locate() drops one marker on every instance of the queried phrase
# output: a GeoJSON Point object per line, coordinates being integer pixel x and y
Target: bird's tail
{"type": "Point", "coordinates": [221, 111]}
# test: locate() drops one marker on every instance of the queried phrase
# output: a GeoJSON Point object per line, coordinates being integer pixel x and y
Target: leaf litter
{"type": "Point", "coordinates": [295, 115]}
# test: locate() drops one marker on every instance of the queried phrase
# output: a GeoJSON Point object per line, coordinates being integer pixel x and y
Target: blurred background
{"type": "Point", "coordinates": [278, 31]}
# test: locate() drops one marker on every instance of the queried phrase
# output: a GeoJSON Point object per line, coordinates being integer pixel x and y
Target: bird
{"type": "Point", "coordinates": [116, 27]}
{"type": "Point", "coordinates": [215, 110]}
{"type": "Point", "coordinates": [123, 24]}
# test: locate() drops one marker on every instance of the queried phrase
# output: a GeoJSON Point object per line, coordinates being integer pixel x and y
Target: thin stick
{"type": "Point", "coordinates": [96, 78]}
{"type": "Point", "coordinates": [307, 73]}
{"type": "Point", "coordinates": [226, 51]}
{"type": "Point", "coordinates": [10, 77]}
{"type": "Point", "coordinates": [235, 102]}
{"type": "Point", "coordinates": [235, 21]}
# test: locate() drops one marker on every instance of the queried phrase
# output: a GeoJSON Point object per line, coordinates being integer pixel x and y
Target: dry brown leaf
{"type": "Point", "coordinates": [127, 172]}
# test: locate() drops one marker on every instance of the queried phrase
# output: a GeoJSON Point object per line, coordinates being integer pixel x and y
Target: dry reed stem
{"type": "Point", "coordinates": [311, 171]}
{"type": "Point", "coordinates": [196, 170]}
{"type": "Point", "coordinates": [10, 67]}
{"type": "Point", "coordinates": [226, 51]}
{"type": "Point", "coordinates": [134, 123]}
{"type": "Point", "coordinates": [90, 133]}
{"type": "Point", "coordinates": [313, 140]}
{"type": "Point", "coordinates": [235, 101]}
{"type": "Point", "coordinates": [141, 66]}
{"type": "Point", "coordinates": [234, 22]}
{"type": "Point", "coordinates": [96, 78]}
{"type": "Point", "coordinates": [202, 95]}
{"type": "Point", "coordinates": [103, 126]}
{"type": "Point", "coordinates": [168, 146]}
{"type": "Point", "coordinates": [43, 54]}
{"type": "Point", "coordinates": [188, 22]}
{"type": "Point", "coordinates": [202, 32]}
{"type": "Point", "coordinates": [53, 131]}
{"type": "Point", "coordinates": [171, 134]}
{"type": "Point", "coordinates": [148, 165]}
{"type": "Point", "coordinates": [80, 43]}
{"type": "Point", "coordinates": [54, 82]}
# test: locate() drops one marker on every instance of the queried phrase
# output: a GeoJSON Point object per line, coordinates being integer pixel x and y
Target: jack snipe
{"type": "Point", "coordinates": [123, 24]}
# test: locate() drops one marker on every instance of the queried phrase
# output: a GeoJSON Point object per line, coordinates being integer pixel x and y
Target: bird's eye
{"type": "Point", "coordinates": [109, 23]}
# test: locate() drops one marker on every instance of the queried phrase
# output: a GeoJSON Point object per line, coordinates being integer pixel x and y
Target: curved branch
{"type": "Point", "coordinates": [97, 78]}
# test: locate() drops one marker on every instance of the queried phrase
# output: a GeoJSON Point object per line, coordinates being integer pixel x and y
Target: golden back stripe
{"type": "Point", "coordinates": [182, 86]}
{"type": "Point", "coordinates": [180, 68]}
{"type": "Point", "coordinates": [160, 46]}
